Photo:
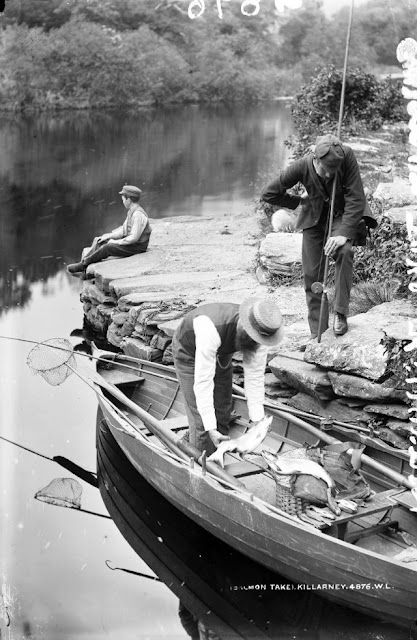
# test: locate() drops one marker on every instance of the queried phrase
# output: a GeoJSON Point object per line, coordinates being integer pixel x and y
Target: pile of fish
{"type": "Point", "coordinates": [282, 465]}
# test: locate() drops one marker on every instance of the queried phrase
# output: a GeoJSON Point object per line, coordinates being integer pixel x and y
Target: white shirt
{"type": "Point", "coordinates": [133, 227]}
{"type": "Point", "coordinates": [207, 343]}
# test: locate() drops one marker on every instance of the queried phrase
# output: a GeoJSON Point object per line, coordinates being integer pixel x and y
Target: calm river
{"type": "Point", "coordinates": [59, 182]}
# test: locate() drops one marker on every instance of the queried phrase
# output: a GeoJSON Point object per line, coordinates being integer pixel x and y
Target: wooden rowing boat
{"type": "Point", "coordinates": [227, 592]}
{"type": "Point", "coordinates": [353, 562]}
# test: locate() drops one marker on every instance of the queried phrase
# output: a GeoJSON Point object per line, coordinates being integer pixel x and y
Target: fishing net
{"type": "Point", "coordinates": [62, 492]}
{"type": "Point", "coordinates": [53, 360]}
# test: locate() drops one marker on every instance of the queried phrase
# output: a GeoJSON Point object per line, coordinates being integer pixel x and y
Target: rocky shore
{"type": "Point", "coordinates": [136, 303]}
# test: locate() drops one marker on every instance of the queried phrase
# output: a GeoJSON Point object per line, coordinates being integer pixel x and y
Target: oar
{"type": "Point", "coordinates": [185, 450]}
{"type": "Point", "coordinates": [377, 466]}
{"type": "Point", "coordinates": [54, 361]}
{"type": "Point", "coordinates": [325, 437]}
{"type": "Point", "coordinates": [78, 471]}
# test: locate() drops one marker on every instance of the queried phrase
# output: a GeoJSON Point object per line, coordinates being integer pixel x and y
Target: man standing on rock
{"type": "Point", "coordinates": [331, 160]}
{"type": "Point", "coordinates": [203, 347]}
{"type": "Point", "coordinates": [130, 238]}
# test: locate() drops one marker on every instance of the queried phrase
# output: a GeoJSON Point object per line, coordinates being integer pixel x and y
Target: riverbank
{"type": "Point", "coordinates": [192, 260]}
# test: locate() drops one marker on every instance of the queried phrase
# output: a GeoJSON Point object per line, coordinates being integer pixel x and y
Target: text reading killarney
{"type": "Point", "coordinates": [249, 8]}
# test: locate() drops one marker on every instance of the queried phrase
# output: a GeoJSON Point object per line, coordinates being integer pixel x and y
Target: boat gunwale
{"type": "Point", "coordinates": [236, 493]}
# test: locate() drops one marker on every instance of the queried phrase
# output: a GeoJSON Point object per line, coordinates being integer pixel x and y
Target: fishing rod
{"type": "Point", "coordinates": [321, 287]}
{"type": "Point", "coordinates": [83, 474]}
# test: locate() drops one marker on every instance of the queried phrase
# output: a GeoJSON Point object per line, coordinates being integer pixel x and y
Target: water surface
{"type": "Point", "coordinates": [59, 182]}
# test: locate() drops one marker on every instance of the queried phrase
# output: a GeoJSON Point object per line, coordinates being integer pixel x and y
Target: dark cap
{"type": "Point", "coordinates": [329, 151]}
{"type": "Point", "coordinates": [129, 191]}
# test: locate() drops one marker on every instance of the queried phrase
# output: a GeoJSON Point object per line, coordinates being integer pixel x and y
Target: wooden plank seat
{"type": "Point", "coordinates": [121, 378]}
{"type": "Point", "coordinates": [384, 501]}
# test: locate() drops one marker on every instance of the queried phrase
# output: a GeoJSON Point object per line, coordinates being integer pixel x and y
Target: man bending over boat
{"type": "Point", "coordinates": [203, 347]}
{"type": "Point", "coordinates": [130, 238]}
{"type": "Point", "coordinates": [331, 160]}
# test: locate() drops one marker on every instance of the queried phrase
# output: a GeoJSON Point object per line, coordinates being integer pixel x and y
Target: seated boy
{"type": "Point", "coordinates": [127, 240]}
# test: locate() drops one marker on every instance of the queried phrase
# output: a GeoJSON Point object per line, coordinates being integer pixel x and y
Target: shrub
{"type": "Point", "coordinates": [366, 295]}
{"type": "Point", "coordinates": [384, 254]}
{"type": "Point", "coordinates": [368, 104]}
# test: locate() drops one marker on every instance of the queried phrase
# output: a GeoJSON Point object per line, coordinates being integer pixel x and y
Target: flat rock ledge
{"type": "Point", "coordinates": [360, 351]}
{"type": "Point", "coordinates": [136, 303]}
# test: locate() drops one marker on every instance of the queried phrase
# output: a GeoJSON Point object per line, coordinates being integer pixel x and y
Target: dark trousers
{"type": "Point", "coordinates": [223, 403]}
{"type": "Point", "coordinates": [313, 260]}
{"type": "Point", "coordinates": [117, 250]}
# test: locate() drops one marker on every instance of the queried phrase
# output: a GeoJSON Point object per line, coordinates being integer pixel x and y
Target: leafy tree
{"type": "Point", "coordinates": [383, 25]}
{"type": "Point", "coordinates": [47, 14]}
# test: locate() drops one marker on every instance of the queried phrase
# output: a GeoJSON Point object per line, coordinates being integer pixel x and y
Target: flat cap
{"type": "Point", "coordinates": [329, 151]}
{"type": "Point", "coordinates": [129, 190]}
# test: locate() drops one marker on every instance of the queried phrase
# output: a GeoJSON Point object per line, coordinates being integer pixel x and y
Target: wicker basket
{"type": "Point", "coordinates": [284, 499]}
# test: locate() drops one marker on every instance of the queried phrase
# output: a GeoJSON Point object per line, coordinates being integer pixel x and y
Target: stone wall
{"type": "Point", "coordinates": [347, 379]}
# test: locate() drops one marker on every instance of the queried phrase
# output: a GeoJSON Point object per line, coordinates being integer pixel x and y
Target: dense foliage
{"type": "Point", "coordinates": [103, 53]}
{"type": "Point", "coordinates": [384, 254]}
{"type": "Point", "coordinates": [368, 103]}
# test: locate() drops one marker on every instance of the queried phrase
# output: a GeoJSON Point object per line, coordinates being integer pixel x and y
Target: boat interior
{"type": "Point", "coordinates": [385, 523]}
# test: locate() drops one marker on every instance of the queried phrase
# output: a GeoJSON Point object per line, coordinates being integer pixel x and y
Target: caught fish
{"type": "Point", "coordinates": [244, 444]}
{"type": "Point", "coordinates": [284, 466]}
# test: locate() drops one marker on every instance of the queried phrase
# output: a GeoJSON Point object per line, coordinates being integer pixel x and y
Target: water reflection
{"type": "Point", "coordinates": [60, 176]}
{"type": "Point", "coordinates": [219, 589]}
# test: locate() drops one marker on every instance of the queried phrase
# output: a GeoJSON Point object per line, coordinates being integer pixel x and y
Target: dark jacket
{"type": "Point", "coordinates": [350, 200]}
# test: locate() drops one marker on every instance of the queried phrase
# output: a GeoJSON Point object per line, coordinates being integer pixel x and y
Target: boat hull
{"type": "Point", "coordinates": [350, 576]}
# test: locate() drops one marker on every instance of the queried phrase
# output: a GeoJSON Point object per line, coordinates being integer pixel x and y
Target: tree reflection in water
{"type": "Point", "coordinates": [61, 174]}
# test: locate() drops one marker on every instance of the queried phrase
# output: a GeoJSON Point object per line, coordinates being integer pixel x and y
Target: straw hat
{"type": "Point", "coordinates": [262, 320]}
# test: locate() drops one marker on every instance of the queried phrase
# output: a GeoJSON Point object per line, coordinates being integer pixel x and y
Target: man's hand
{"type": "Point", "coordinates": [217, 437]}
{"type": "Point", "coordinates": [104, 238]}
{"type": "Point", "coordinates": [333, 244]}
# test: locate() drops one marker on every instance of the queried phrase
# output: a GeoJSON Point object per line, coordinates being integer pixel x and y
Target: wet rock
{"type": "Point", "coordinates": [279, 252]}
{"type": "Point", "coordinates": [170, 327]}
{"type": "Point", "coordinates": [114, 336]}
{"type": "Point", "coordinates": [134, 300]}
{"type": "Point", "coordinates": [139, 349]}
{"type": "Point", "coordinates": [399, 411]}
{"type": "Point", "coordinates": [342, 413]}
{"type": "Point", "coordinates": [99, 317]}
{"type": "Point", "coordinates": [355, 387]}
{"type": "Point", "coordinates": [393, 439]}
{"type": "Point", "coordinates": [179, 283]}
{"type": "Point", "coordinates": [114, 269]}
{"type": "Point", "coordinates": [160, 341]}
{"type": "Point", "coordinates": [92, 293]}
{"type": "Point", "coordinates": [120, 317]}
{"type": "Point", "coordinates": [398, 214]}
{"type": "Point", "coordinates": [305, 402]}
{"type": "Point", "coordinates": [295, 335]}
{"type": "Point", "coordinates": [360, 350]}
{"type": "Point", "coordinates": [302, 376]}
{"type": "Point", "coordinates": [397, 194]}
{"type": "Point", "coordinates": [335, 409]}
{"type": "Point", "coordinates": [275, 388]}
{"type": "Point", "coordinates": [399, 427]}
